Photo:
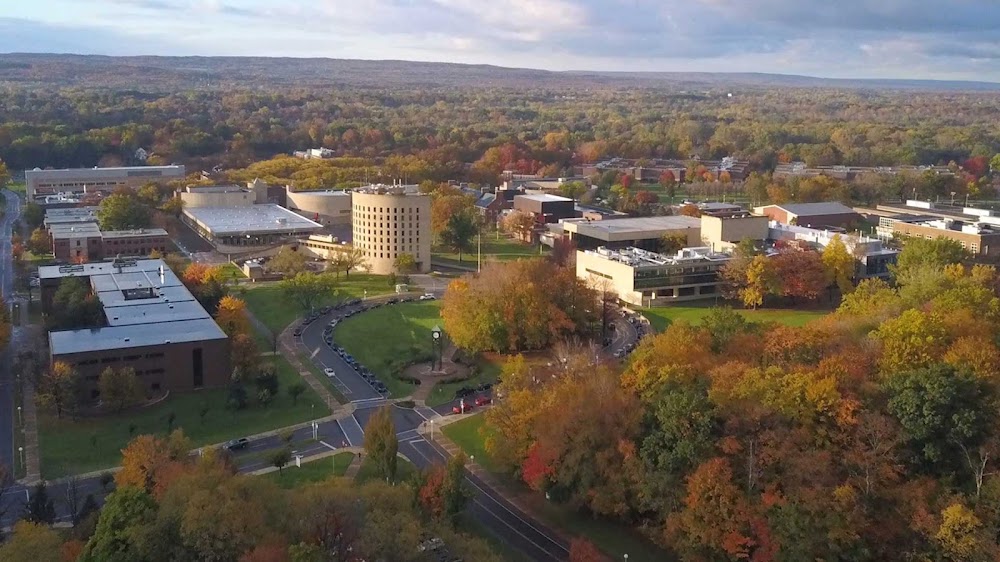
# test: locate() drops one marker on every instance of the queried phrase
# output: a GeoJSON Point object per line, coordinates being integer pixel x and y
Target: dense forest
{"type": "Point", "coordinates": [233, 121]}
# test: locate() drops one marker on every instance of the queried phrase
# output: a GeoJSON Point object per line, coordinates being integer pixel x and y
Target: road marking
{"type": "Point", "coordinates": [328, 445]}
{"type": "Point", "coordinates": [405, 435]}
{"type": "Point", "coordinates": [359, 436]}
{"type": "Point", "coordinates": [415, 441]}
{"type": "Point", "coordinates": [495, 516]}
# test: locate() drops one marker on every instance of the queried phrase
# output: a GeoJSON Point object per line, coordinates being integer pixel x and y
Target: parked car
{"type": "Point", "coordinates": [457, 409]}
{"type": "Point", "coordinates": [483, 400]}
{"type": "Point", "coordinates": [463, 392]}
{"type": "Point", "coordinates": [329, 372]}
{"type": "Point", "coordinates": [297, 332]}
{"type": "Point", "coordinates": [484, 387]}
{"type": "Point", "coordinates": [427, 297]}
{"type": "Point", "coordinates": [237, 444]}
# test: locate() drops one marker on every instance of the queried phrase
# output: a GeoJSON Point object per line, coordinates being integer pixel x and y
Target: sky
{"type": "Point", "coordinates": [920, 39]}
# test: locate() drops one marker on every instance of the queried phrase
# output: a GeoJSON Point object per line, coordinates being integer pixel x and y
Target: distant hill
{"type": "Point", "coordinates": [170, 73]}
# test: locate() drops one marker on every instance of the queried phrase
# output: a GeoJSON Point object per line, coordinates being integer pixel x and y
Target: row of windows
{"type": "Point", "coordinates": [95, 378]}
{"type": "Point", "coordinates": [384, 210]}
{"type": "Point", "coordinates": [117, 359]}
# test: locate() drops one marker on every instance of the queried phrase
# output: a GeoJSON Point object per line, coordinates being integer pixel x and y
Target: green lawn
{"type": "Point", "coordinates": [314, 471]}
{"type": "Point", "coordinates": [32, 259]}
{"type": "Point", "coordinates": [489, 371]}
{"type": "Point", "coordinates": [325, 380]}
{"type": "Point", "coordinates": [611, 537]}
{"type": "Point", "coordinates": [231, 271]}
{"type": "Point", "coordinates": [270, 306]}
{"type": "Point", "coordinates": [385, 339]}
{"type": "Point", "coordinates": [467, 434]}
{"type": "Point", "coordinates": [404, 471]}
{"type": "Point", "coordinates": [84, 445]}
{"type": "Point", "coordinates": [661, 317]}
{"type": "Point", "coordinates": [502, 249]}
{"type": "Point", "coordinates": [17, 187]}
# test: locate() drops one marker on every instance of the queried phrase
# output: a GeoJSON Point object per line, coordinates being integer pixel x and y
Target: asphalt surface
{"type": "Point", "coordinates": [7, 290]}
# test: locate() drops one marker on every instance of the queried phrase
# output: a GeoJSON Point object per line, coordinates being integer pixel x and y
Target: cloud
{"type": "Point", "coordinates": [897, 38]}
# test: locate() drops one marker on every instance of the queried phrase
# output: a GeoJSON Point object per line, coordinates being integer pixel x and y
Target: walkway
{"type": "Point", "coordinates": [354, 467]}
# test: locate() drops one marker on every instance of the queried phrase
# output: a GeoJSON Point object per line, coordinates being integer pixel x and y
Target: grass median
{"type": "Point", "coordinates": [387, 338]}
{"type": "Point", "coordinates": [83, 445]}
{"type": "Point", "coordinates": [312, 471]}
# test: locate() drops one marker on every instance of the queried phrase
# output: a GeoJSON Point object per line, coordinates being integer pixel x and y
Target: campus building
{"type": "Point", "coordinates": [801, 170]}
{"type": "Point", "coordinates": [387, 221]}
{"type": "Point", "coordinates": [819, 215]}
{"type": "Point", "coordinates": [152, 324]}
{"type": "Point", "coordinates": [249, 226]}
{"type": "Point", "coordinates": [641, 232]}
{"type": "Point", "coordinates": [327, 207]}
{"type": "Point", "coordinates": [40, 183]}
{"type": "Point", "coordinates": [873, 258]}
{"type": "Point", "coordinates": [75, 237]}
{"type": "Point", "coordinates": [643, 278]}
{"type": "Point", "coordinates": [723, 232]}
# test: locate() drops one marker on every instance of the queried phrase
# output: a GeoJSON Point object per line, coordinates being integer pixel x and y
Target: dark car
{"type": "Point", "coordinates": [237, 444]}
{"type": "Point", "coordinates": [485, 386]}
{"type": "Point", "coordinates": [463, 392]}
{"type": "Point", "coordinates": [297, 332]}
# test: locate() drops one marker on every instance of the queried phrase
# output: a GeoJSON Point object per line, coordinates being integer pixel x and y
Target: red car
{"type": "Point", "coordinates": [483, 400]}
{"type": "Point", "coordinates": [458, 409]}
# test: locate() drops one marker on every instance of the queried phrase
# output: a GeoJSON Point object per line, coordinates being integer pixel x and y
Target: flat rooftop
{"type": "Point", "coordinates": [134, 233]}
{"type": "Point", "coordinates": [116, 299]}
{"type": "Point", "coordinates": [75, 230]}
{"type": "Point", "coordinates": [155, 313]}
{"type": "Point", "coordinates": [70, 215]}
{"type": "Point", "coordinates": [123, 171]}
{"type": "Point", "coordinates": [250, 219]}
{"type": "Point", "coordinates": [133, 280]}
{"type": "Point", "coordinates": [215, 189]}
{"type": "Point", "coordinates": [323, 193]}
{"type": "Point", "coordinates": [637, 257]}
{"type": "Point", "coordinates": [99, 268]}
{"type": "Point", "coordinates": [132, 336]}
{"type": "Point", "coordinates": [544, 198]}
{"type": "Point", "coordinates": [638, 226]}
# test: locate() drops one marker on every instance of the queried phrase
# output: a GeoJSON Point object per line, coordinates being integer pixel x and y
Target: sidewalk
{"type": "Point", "coordinates": [355, 466]}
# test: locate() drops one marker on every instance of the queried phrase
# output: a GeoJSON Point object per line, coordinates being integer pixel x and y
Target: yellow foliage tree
{"type": "Point", "coordinates": [839, 265]}
{"type": "Point", "coordinates": [913, 340]}
{"type": "Point", "coordinates": [232, 316]}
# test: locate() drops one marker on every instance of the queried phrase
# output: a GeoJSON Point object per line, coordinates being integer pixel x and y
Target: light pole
{"type": "Point", "coordinates": [20, 419]}
{"type": "Point", "coordinates": [366, 295]}
{"type": "Point", "coordinates": [432, 429]}
{"type": "Point", "coordinates": [21, 451]}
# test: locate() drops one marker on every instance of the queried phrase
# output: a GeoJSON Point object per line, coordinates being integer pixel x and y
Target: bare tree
{"type": "Point", "coordinates": [72, 494]}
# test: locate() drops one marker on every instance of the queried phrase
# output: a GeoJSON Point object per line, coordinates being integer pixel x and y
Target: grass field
{"type": "Point", "coordinates": [387, 338]}
{"type": "Point", "coordinates": [270, 306]}
{"type": "Point", "coordinates": [660, 318]}
{"type": "Point", "coordinates": [614, 539]}
{"type": "Point", "coordinates": [315, 471]}
{"type": "Point", "coordinates": [489, 371]}
{"type": "Point", "coordinates": [83, 445]}
{"type": "Point", "coordinates": [404, 471]}
{"type": "Point", "coordinates": [503, 249]}
{"type": "Point", "coordinates": [231, 271]}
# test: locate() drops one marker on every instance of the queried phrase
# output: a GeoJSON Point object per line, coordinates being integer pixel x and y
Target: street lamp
{"type": "Point", "coordinates": [366, 295]}
{"type": "Point", "coordinates": [21, 451]}
{"type": "Point", "coordinates": [432, 428]}
{"type": "Point", "coordinates": [20, 420]}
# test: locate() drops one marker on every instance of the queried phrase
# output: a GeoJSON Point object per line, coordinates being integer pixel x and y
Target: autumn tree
{"type": "Point", "coordinates": [582, 550]}
{"type": "Point", "coordinates": [32, 542]}
{"type": "Point", "coordinates": [937, 252]}
{"type": "Point", "coordinates": [912, 340]}
{"type": "Point", "coordinates": [760, 280]}
{"type": "Point", "coordinates": [670, 244]}
{"type": "Point", "coordinates": [520, 224]}
{"type": "Point", "coordinates": [381, 444]}
{"type": "Point", "coordinates": [443, 493]}
{"type": "Point", "coordinates": [839, 265]}
{"type": "Point", "coordinates": [146, 458]}
{"type": "Point", "coordinates": [59, 388]}
{"type": "Point", "coordinates": [307, 289]}
{"type": "Point", "coordinates": [288, 261]}
{"type": "Point", "coordinates": [39, 243]}
{"type": "Point", "coordinates": [231, 315]}
{"type": "Point", "coordinates": [796, 274]}
{"type": "Point", "coordinates": [405, 263]}
{"type": "Point", "coordinates": [74, 306]}
{"type": "Point", "coordinates": [40, 508]}
{"type": "Point", "coordinates": [446, 203]}
{"type": "Point", "coordinates": [348, 259]}
{"type": "Point", "coordinates": [512, 306]}
{"type": "Point", "coordinates": [120, 388]}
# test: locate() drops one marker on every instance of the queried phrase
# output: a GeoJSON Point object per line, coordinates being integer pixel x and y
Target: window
{"type": "Point", "coordinates": [197, 369]}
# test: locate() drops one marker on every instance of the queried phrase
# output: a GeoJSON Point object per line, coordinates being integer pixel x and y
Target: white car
{"type": "Point", "coordinates": [427, 297]}
{"type": "Point", "coordinates": [328, 372]}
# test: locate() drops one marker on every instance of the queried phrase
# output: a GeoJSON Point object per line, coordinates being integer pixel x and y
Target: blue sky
{"type": "Point", "coordinates": [944, 39]}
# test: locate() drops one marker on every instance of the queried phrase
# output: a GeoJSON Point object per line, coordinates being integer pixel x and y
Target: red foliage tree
{"type": "Point", "coordinates": [800, 273]}
{"type": "Point", "coordinates": [582, 550]}
{"type": "Point", "coordinates": [646, 198]}
{"type": "Point", "coordinates": [537, 467]}
{"type": "Point", "coordinates": [667, 178]}
{"type": "Point", "coordinates": [977, 166]}
{"type": "Point", "coordinates": [626, 181]}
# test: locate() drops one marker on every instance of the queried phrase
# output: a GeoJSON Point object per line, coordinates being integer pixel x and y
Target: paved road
{"type": "Point", "coordinates": [7, 291]}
